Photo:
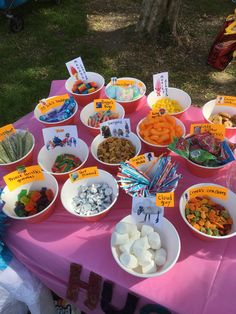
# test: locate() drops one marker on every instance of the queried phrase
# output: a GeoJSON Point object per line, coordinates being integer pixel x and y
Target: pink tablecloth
{"type": "Point", "coordinates": [202, 281]}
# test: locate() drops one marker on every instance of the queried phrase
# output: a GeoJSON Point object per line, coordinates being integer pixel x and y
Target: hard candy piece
{"type": "Point", "coordinates": [160, 257]}
{"type": "Point", "coordinates": [149, 268]}
{"type": "Point", "coordinates": [146, 229]}
{"type": "Point", "coordinates": [154, 240]}
{"type": "Point", "coordinates": [119, 239]}
{"type": "Point", "coordinates": [128, 260]}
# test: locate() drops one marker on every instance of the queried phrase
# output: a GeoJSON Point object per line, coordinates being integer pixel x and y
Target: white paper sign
{"type": "Point", "coordinates": [144, 210]}
{"type": "Point", "coordinates": [61, 136]}
{"type": "Point", "coordinates": [161, 83]}
{"type": "Point", "coordinates": [115, 128]}
{"type": "Point", "coordinates": [76, 69]}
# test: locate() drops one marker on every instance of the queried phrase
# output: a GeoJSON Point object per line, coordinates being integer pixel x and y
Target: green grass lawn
{"type": "Point", "coordinates": [103, 35]}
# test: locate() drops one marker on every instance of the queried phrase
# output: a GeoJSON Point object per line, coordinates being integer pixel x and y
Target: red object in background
{"type": "Point", "coordinates": [222, 49]}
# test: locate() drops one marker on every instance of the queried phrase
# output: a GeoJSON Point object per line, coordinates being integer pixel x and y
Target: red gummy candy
{"type": "Point", "coordinates": [49, 194]}
{"type": "Point", "coordinates": [30, 206]}
{"type": "Point", "coordinates": [35, 196]}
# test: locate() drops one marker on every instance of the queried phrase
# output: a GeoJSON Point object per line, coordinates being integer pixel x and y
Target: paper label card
{"type": "Point", "coordinates": [165, 199]}
{"type": "Point", "coordinates": [76, 69]}
{"type": "Point", "coordinates": [217, 130]}
{"type": "Point", "coordinates": [61, 136]}
{"type": "Point", "coordinates": [116, 128]}
{"type": "Point", "coordinates": [161, 84]}
{"type": "Point", "coordinates": [6, 131]}
{"type": "Point", "coordinates": [142, 159]}
{"type": "Point", "coordinates": [22, 176]}
{"type": "Point", "coordinates": [226, 101]}
{"type": "Point", "coordinates": [122, 82]}
{"type": "Point", "coordinates": [84, 173]}
{"type": "Point", "coordinates": [104, 104]}
{"type": "Point", "coordinates": [46, 105]}
{"type": "Point", "coordinates": [211, 190]}
{"type": "Point", "coordinates": [144, 210]}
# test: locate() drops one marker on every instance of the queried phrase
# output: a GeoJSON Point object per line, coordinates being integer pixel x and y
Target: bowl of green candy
{"type": "Point", "coordinates": [16, 150]}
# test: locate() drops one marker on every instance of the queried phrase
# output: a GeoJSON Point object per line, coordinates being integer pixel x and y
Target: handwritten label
{"type": "Point", "coordinates": [141, 159]}
{"type": "Point", "coordinates": [210, 190]}
{"type": "Point", "coordinates": [161, 83]}
{"type": "Point", "coordinates": [116, 128]}
{"type": "Point", "coordinates": [64, 136]}
{"type": "Point", "coordinates": [84, 173]}
{"type": "Point", "coordinates": [23, 176]}
{"type": "Point", "coordinates": [47, 104]}
{"type": "Point", "coordinates": [76, 69]}
{"type": "Point", "coordinates": [104, 104]}
{"type": "Point", "coordinates": [122, 82]}
{"type": "Point", "coordinates": [217, 130]}
{"type": "Point", "coordinates": [226, 101]}
{"type": "Point", "coordinates": [6, 131]}
{"type": "Point", "coordinates": [165, 199]}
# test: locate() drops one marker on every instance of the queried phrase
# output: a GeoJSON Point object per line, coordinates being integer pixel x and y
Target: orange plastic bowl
{"type": "Point", "coordinates": [84, 99]}
{"type": "Point", "coordinates": [67, 121]}
{"type": "Point", "coordinates": [132, 105]}
{"type": "Point", "coordinates": [10, 198]}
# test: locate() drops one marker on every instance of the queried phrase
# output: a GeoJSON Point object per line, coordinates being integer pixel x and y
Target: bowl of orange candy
{"type": "Point", "coordinates": [158, 131]}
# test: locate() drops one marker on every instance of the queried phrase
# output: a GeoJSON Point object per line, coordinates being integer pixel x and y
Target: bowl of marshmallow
{"type": "Point", "coordinates": [144, 250]}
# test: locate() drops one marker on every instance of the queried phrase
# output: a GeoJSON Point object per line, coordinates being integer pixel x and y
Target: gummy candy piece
{"type": "Point", "coordinates": [82, 88]}
{"type": "Point", "coordinates": [22, 193]}
{"type": "Point", "coordinates": [24, 200]}
{"type": "Point", "coordinates": [30, 206]}
{"type": "Point", "coordinates": [20, 212]}
{"type": "Point", "coordinates": [35, 196]}
{"type": "Point", "coordinates": [91, 90]}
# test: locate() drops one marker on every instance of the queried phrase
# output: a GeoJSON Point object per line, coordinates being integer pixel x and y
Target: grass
{"type": "Point", "coordinates": [103, 34]}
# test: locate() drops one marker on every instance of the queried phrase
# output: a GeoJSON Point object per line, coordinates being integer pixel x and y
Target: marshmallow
{"type": "Point", "coordinates": [152, 252]}
{"type": "Point", "coordinates": [149, 268]}
{"type": "Point", "coordinates": [119, 239]}
{"type": "Point", "coordinates": [128, 260]}
{"type": "Point", "coordinates": [126, 248]}
{"type": "Point", "coordinates": [154, 240]}
{"type": "Point", "coordinates": [146, 229]}
{"type": "Point", "coordinates": [160, 257]}
{"type": "Point", "coordinates": [135, 236]}
{"type": "Point", "coordinates": [122, 227]}
{"type": "Point", "coordinates": [145, 258]}
{"type": "Point", "coordinates": [139, 246]}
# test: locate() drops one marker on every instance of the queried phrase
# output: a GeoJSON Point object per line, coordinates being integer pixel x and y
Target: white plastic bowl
{"type": "Point", "coordinates": [170, 242]}
{"type": "Point", "coordinates": [174, 94]}
{"type": "Point", "coordinates": [158, 149]}
{"type": "Point", "coordinates": [84, 99]}
{"type": "Point", "coordinates": [10, 198]}
{"type": "Point", "coordinates": [131, 105]}
{"type": "Point", "coordinates": [67, 121]}
{"type": "Point", "coordinates": [210, 108]}
{"type": "Point", "coordinates": [88, 111]}
{"type": "Point", "coordinates": [70, 190]}
{"type": "Point", "coordinates": [229, 204]}
{"type": "Point", "coordinates": [46, 158]}
{"type": "Point", "coordinates": [133, 138]}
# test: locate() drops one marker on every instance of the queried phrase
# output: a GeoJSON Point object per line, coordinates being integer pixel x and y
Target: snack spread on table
{"type": "Point", "coordinates": [15, 146]}
{"type": "Point", "coordinates": [79, 87]}
{"type": "Point", "coordinates": [223, 118]}
{"type": "Point", "coordinates": [113, 150]}
{"type": "Point", "coordinates": [125, 93]}
{"type": "Point", "coordinates": [63, 113]}
{"type": "Point", "coordinates": [160, 130]}
{"type": "Point", "coordinates": [33, 202]}
{"type": "Point", "coordinates": [101, 116]}
{"type": "Point", "coordinates": [170, 105]}
{"type": "Point", "coordinates": [138, 247]}
{"type": "Point", "coordinates": [92, 199]}
{"type": "Point", "coordinates": [208, 217]}
{"type": "Point", "coordinates": [65, 163]}
{"type": "Point", "coordinates": [204, 149]}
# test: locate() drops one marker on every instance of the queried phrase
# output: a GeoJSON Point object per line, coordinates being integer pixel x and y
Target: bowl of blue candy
{"type": "Point", "coordinates": [56, 111]}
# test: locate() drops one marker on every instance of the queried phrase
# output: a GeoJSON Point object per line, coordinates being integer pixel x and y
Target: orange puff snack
{"type": "Point", "coordinates": [160, 130]}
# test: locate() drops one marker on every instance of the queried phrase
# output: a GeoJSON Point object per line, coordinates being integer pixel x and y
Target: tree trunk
{"type": "Point", "coordinates": [159, 16]}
